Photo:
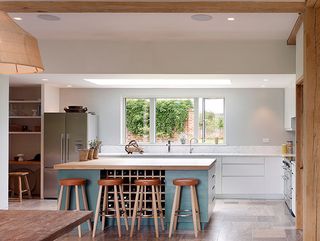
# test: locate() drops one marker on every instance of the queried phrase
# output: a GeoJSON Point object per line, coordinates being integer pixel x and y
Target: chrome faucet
{"type": "Point", "coordinates": [169, 146]}
{"type": "Point", "coordinates": [190, 142]}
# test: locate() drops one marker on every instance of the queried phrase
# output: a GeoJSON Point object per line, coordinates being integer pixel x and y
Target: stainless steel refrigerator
{"type": "Point", "coordinates": [64, 135]}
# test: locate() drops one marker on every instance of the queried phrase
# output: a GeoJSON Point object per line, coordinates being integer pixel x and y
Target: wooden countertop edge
{"type": "Point", "coordinates": [67, 166]}
{"type": "Point", "coordinates": [109, 167]}
{"type": "Point", "coordinates": [68, 228]}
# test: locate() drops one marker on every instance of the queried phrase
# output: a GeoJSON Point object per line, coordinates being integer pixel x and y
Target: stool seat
{"type": "Point", "coordinates": [18, 173]}
{"type": "Point", "coordinates": [110, 182]}
{"type": "Point", "coordinates": [72, 181]}
{"type": "Point", "coordinates": [147, 182]}
{"type": "Point", "coordinates": [185, 182]}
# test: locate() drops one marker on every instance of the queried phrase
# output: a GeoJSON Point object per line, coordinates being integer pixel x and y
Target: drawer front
{"type": "Point", "coordinates": [243, 160]}
{"type": "Point", "coordinates": [243, 185]}
{"type": "Point", "coordinates": [243, 170]}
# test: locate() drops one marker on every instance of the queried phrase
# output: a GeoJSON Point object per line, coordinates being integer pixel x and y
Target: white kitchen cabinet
{"type": "Point", "coordinates": [289, 105]}
{"type": "Point", "coordinates": [218, 180]}
{"type": "Point", "coordinates": [251, 177]}
{"type": "Point", "coordinates": [273, 176]}
{"type": "Point", "coordinates": [293, 166]}
{"type": "Point", "coordinates": [243, 185]}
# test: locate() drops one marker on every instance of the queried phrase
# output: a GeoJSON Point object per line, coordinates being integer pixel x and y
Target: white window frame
{"type": "Point", "coordinates": [153, 130]}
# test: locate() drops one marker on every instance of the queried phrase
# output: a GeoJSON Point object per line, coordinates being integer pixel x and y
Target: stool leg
{"type": "Point", "coordinates": [123, 207]}
{"type": "Point", "coordinates": [116, 202]}
{"type": "Point", "coordinates": [104, 207]}
{"type": "Point", "coordinates": [177, 208]}
{"type": "Point", "coordinates": [78, 207]}
{"type": "Point", "coordinates": [27, 186]}
{"type": "Point", "coordinates": [197, 208]}
{"type": "Point", "coordinates": [12, 186]}
{"type": "Point", "coordinates": [85, 204]}
{"type": "Point", "coordinates": [67, 203]}
{"type": "Point", "coordinates": [134, 215]}
{"type": "Point", "coordinates": [20, 188]}
{"type": "Point", "coordinates": [194, 213]}
{"type": "Point", "coordinates": [97, 213]}
{"type": "Point", "coordinates": [173, 212]}
{"type": "Point", "coordinates": [160, 207]}
{"type": "Point", "coordinates": [60, 198]}
{"type": "Point", "coordinates": [155, 215]}
{"type": "Point", "coordinates": [143, 190]}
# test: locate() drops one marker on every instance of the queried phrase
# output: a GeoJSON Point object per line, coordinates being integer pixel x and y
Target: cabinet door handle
{"type": "Point", "coordinates": [68, 157]}
{"type": "Point", "coordinates": [213, 187]}
{"type": "Point", "coordinates": [61, 147]}
{"type": "Point", "coordinates": [213, 176]}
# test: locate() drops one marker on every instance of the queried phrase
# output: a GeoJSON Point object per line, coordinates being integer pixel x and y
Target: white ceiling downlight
{"type": "Point", "coordinates": [231, 19]}
{"type": "Point", "coordinates": [49, 17]}
{"type": "Point", "coordinates": [17, 18]}
{"type": "Point", "coordinates": [201, 17]}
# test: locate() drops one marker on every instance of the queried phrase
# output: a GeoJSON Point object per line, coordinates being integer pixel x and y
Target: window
{"type": "Point", "coordinates": [137, 120]}
{"type": "Point", "coordinates": [157, 120]}
{"type": "Point", "coordinates": [211, 121]}
{"type": "Point", "coordinates": [174, 120]}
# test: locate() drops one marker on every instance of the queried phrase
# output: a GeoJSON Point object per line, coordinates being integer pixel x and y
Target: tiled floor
{"type": "Point", "coordinates": [233, 220]}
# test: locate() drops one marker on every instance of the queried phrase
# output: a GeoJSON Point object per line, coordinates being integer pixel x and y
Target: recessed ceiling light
{"type": "Point", "coordinates": [231, 19]}
{"type": "Point", "coordinates": [49, 17]}
{"type": "Point", "coordinates": [17, 18]}
{"type": "Point", "coordinates": [44, 79]}
{"type": "Point", "coordinates": [263, 86]}
{"type": "Point", "coordinates": [69, 86]}
{"type": "Point", "coordinates": [201, 17]}
{"type": "Point", "coordinates": [265, 80]}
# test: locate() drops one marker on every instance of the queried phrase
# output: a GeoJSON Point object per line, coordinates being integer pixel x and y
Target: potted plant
{"type": "Point", "coordinates": [97, 144]}
{"type": "Point", "coordinates": [91, 149]}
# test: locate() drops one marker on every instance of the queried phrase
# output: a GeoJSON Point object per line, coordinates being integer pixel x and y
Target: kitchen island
{"type": "Point", "coordinates": [164, 168]}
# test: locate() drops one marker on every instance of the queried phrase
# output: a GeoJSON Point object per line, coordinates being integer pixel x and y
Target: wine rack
{"type": "Point", "coordinates": [130, 189]}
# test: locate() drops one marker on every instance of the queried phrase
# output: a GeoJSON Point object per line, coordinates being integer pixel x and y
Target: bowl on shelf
{"type": "Point", "coordinates": [75, 109]}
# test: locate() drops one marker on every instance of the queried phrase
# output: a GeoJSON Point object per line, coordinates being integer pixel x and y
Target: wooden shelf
{"type": "Point", "coordinates": [24, 133]}
{"type": "Point", "coordinates": [25, 117]}
{"type": "Point", "coordinates": [25, 163]}
{"type": "Point", "coordinates": [24, 101]}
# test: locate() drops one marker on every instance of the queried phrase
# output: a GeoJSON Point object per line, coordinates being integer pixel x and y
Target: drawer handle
{"type": "Point", "coordinates": [213, 187]}
{"type": "Point", "coordinates": [213, 199]}
{"type": "Point", "coordinates": [213, 176]}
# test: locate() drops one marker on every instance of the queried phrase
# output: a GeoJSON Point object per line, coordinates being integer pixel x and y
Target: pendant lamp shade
{"type": "Point", "coordinates": [19, 51]}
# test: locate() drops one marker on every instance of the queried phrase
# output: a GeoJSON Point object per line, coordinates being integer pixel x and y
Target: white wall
{"type": "Point", "coordinates": [251, 114]}
{"type": "Point", "coordinates": [4, 127]}
{"type": "Point", "coordinates": [167, 57]}
{"type": "Point", "coordinates": [299, 52]}
{"type": "Point", "coordinates": [51, 98]}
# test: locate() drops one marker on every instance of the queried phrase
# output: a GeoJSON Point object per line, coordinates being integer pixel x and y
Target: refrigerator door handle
{"type": "Point", "coordinates": [62, 148]}
{"type": "Point", "coordinates": [68, 151]}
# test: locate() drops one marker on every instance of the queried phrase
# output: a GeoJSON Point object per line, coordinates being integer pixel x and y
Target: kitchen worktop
{"type": "Point", "coordinates": [192, 155]}
{"type": "Point", "coordinates": [146, 163]}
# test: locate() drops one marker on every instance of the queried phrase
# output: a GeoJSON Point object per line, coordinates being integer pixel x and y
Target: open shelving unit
{"type": "Point", "coordinates": [130, 189]}
{"type": "Point", "coordinates": [25, 129]}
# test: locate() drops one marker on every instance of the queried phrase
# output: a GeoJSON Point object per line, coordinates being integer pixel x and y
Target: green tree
{"type": "Point", "coordinates": [137, 116]}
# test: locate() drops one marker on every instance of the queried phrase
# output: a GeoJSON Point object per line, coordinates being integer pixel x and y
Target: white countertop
{"type": "Point", "coordinates": [193, 155]}
{"type": "Point", "coordinates": [121, 163]}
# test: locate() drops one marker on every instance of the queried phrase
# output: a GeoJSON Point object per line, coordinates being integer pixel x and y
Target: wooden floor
{"type": "Point", "coordinates": [233, 220]}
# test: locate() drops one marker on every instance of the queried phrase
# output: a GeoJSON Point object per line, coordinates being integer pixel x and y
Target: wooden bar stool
{"type": "Point", "coordinates": [194, 212]}
{"type": "Point", "coordinates": [105, 183]}
{"type": "Point", "coordinates": [19, 176]}
{"type": "Point", "coordinates": [76, 183]}
{"type": "Point", "coordinates": [156, 200]}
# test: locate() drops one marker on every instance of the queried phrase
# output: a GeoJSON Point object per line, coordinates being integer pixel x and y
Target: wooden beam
{"type": "Point", "coordinates": [311, 3]}
{"type": "Point", "coordinates": [293, 35]}
{"type": "Point", "coordinates": [151, 7]}
{"type": "Point", "coordinates": [299, 159]}
{"type": "Point", "coordinates": [311, 126]}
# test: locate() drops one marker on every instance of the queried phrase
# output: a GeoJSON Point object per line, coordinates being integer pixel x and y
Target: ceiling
{"type": "Point", "coordinates": [157, 81]}
{"type": "Point", "coordinates": [155, 26]}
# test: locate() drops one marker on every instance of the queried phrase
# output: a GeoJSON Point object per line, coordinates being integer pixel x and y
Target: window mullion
{"type": "Point", "coordinates": [152, 120]}
{"type": "Point", "coordinates": [196, 118]}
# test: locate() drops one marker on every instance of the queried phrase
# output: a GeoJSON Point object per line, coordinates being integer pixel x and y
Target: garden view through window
{"type": "Point", "coordinates": [157, 120]}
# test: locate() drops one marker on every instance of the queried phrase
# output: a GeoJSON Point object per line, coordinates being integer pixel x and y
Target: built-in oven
{"type": "Point", "coordinates": [287, 180]}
